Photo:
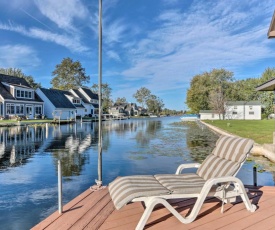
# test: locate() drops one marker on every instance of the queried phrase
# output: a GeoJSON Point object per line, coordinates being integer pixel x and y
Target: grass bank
{"type": "Point", "coordinates": [261, 131]}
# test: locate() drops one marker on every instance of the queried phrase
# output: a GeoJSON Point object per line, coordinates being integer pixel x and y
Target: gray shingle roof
{"type": "Point", "coordinates": [13, 80]}
{"type": "Point", "coordinates": [58, 98]}
{"type": "Point", "coordinates": [90, 93]}
{"type": "Point", "coordinates": [18, 82]}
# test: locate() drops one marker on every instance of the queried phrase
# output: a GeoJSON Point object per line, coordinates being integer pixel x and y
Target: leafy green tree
{"type": "Point", "coordinates": [106, 95]}
{"type": "Point", "coordinates": [215, 83]}
{"type": "Point", "coordinates": [121, 100]}
{"type": "Point", "coordinates": [154, 104]}
{"type": "Point", "coordinates": [18, 73]}
{"type": "Point", "coordinates": [69, 75]}
{"type": "Point", "coordinates": [267, 97]}
{"type": "Point", "coordinates": [142, 95]}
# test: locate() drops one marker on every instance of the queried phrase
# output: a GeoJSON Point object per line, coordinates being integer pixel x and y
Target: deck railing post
{"type": "Point", "coordinates": [60, 207]}
{"type": "Point", "coordinates": [255, 176]}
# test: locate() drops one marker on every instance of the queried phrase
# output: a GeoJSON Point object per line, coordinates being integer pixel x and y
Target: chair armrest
{"type": "Point", "coordinates": [185, 166]}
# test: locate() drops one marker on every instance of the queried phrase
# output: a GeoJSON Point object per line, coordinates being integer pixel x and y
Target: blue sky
{"type": "Point", "coordinates": [157, 44]}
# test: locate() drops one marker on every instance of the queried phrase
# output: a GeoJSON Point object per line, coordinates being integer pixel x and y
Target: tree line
{"type": "Point", "coordinates": [70, 74]}
{"type": "Point", "coordinates": [211, 90]}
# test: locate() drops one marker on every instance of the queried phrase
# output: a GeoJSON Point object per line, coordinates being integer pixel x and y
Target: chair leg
{"type": "Point", "coordinates": [152, 202]}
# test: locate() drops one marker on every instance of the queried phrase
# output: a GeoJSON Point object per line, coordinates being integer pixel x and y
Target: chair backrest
{"type": "Point", "coordinates": [226, 158]}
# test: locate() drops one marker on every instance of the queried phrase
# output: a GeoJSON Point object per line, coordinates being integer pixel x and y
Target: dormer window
{"type": "Point", "coordinates": [76, 101]}
{"type": "Point", "coordinates": [21, 93]}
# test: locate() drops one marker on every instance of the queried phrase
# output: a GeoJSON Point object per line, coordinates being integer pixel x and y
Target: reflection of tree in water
{"type": "Point", "coordinates": [200, 140]}
{"type": "Point", "coordinates": [72, 163]}
{"type": "Point", "coordinates": [144, 136]}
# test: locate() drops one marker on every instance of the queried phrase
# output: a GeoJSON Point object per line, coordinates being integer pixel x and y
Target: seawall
{"type": "Point", "coordinates": [266, 150]}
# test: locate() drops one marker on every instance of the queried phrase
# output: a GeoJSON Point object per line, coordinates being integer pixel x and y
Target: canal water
{"type": "Point", "coordinates": [29, 155]}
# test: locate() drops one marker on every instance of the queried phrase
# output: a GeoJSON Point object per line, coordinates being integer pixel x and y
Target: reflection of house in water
{"type": "Point", "coordinates": [19, 143]}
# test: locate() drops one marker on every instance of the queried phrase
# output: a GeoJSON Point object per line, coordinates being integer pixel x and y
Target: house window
{"type": "Point", "coordinates": [234, 112]}
{"type": "Point", "coordinates": [38, 109]}
{"type": "Point", "coordinates": [76, 101]}
{"type": "Point", "coordinates": [23, 94]}
{"type": "Point", "coordinates": [235, 107]}
{"type": "Point", "coordinates": [213, 115]}
{"type": "Point", "coordinates": [250, 107]}
{"type": "Point", "coordinates": [19, 109]}
{"type": "Point", "coordinates": [10, 108]}
{"type": "Point", "coordinates": [251, 112]}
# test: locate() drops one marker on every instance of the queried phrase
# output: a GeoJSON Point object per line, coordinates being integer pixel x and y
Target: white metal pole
{"type": "Point", "coordinates": [99, 181]}
{"type": "Point", "coordinates": [60, 208]}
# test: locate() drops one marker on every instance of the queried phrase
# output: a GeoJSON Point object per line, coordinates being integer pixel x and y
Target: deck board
{"type": "Point", "coordinates": [95, 210]}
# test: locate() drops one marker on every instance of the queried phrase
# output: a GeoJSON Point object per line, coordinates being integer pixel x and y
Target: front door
{"type": "Point", "coordinates": [29, 112]}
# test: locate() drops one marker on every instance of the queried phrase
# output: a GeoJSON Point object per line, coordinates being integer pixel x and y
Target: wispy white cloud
{"type": "Point", "coordinates": [63, 13]}
{"type": "Point", "coordinates": [216, 34]}
{"type": "Point", "coordinates": [113, 55]}
{"type": "Point", "coordinates": [18, 56]}
{"type": "Point", "coordinates": [70, 42]}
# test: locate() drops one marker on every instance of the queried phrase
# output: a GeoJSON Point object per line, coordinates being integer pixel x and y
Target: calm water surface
{"type": "Point", "coordinates": [29, 155]}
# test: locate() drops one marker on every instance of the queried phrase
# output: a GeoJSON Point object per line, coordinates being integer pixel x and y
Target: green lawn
{"type": "Point", "coordinates": [260, 131]}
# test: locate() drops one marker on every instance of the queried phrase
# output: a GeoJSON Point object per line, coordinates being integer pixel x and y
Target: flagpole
{"type": "Point", "coordinates": [99, 181]}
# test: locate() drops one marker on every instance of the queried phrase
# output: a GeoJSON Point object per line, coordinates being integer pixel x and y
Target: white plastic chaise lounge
{"type": "Point", "coordinates": [216, 176]}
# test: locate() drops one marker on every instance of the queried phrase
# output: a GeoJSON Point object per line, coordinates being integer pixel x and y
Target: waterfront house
{"type": "Point", "coordinates": [235, 110]}
{"type": "Point", "coordinates": [88, 99]}
{"type": "Point", "coordinates": [126, 109]}
{"type": "Point", "coordinates": [18, 98]}
{"type": "Point", "coordinates": [57, 104]}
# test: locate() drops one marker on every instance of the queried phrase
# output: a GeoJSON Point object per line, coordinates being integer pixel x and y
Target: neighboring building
{"type": "Point", "coordinates": [57, 104]}
{"type": "Point", "coordinates": [235, 110]}
{"type": "Point", "coordinates": [209, 115]}
{"type": "Point", "coordinates": [243, 110]}
{"type": "Point", "coordinates": [17, 98]}
{"type": "Point", "coordinates": [124, 109]}
{"type": "Point", "coordinates": [88, 99]}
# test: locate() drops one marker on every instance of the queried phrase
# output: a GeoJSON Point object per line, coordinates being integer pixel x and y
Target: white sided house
{"type": "Point", "coordinates": [88, 100]}
{"type": "Point", "coordinates": [57, 104]}
{"type": "Point", "coordinates": [18, 99]}
{"type": "Point", "coordinates": [236, 110]}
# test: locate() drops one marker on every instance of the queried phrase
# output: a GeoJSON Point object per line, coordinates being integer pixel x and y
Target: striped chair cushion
{"type": "Point", "coordinates": [188, 183]}
{"type": "Point", "coordinates": [125, 189]}
{"type": "Point", "coordinates": [226, 158]}
{"type": "Point", "coordinates": [233, 148]}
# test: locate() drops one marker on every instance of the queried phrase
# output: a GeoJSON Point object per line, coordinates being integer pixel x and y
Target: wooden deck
{"type": "Point", "coordinates": [95, 210]}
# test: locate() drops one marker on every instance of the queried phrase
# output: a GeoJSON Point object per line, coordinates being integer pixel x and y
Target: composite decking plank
{"type": "Point", "coordinates": [69, 218]}
{"type": "Point", "coordinates": [101, 217]}
{"type": "Point", "coordinates": [92, 213]}
{"type": "Point", "coordinates": [236, 216]}
{"type": "Point", "coordinates": [67, 207]}
{"type": "Point", "coordinates": [268, 223]}
{"type": "Point", "coordinates": [251, 220]}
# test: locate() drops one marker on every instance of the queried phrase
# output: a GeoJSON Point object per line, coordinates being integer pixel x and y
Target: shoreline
{"type": "Point", "coordinates": [265, 150]}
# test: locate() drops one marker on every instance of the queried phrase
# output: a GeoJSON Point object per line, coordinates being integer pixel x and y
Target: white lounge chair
{"type": "Point", "coordinates": [214, 177]}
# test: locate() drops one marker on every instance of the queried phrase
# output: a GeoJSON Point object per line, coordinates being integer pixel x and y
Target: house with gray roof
{"type": "Point", "coordinates": [88, 100]}
{"type": "Point", "coordinates": [57, 104]}
{"type": "Point", "coordinates": [235, 110]}
{"type": "Point", "coordinates": [68, 104]}
{"type": "Point", "coordinates": [18, 98]}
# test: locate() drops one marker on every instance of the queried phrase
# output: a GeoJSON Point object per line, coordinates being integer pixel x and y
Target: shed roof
{"type": "Point", "coordinates": [271, 30]}
{"type": "Point", "coordinates": [267, 86]}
